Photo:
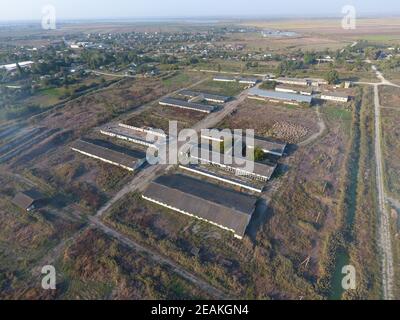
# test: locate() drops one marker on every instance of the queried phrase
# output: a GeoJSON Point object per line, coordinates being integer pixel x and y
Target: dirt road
{"type": "Point", "coordinates": [213, 291]}
{"type": "Point", "coordinates": [384, 240]}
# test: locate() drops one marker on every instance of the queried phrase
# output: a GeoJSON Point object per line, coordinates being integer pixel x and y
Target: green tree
{"type": "Point", "coordinates": [309, 58]}
{"type": "Point", "coordinates": [259, 154]}
{"type": "Point", "coordinates": [332, 77]}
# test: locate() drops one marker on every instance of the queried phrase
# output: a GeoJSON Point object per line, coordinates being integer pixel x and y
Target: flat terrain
{"type": "Point", "coordinates": [290, 124]}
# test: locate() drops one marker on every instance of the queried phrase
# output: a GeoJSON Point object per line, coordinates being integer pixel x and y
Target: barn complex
{"type": "Point", "coordinates": [276, 96]}
{"type": "Point", "coordinates": [130, 162]}
{"type": "Point", "coordinates": [204, 96]}
{"type": "Point", "coordinates": [222, 207]}
{"type": "Point", "coordinates": [182, 104]}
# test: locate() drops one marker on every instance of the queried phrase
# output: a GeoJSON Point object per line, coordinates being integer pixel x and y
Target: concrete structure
{"type": "Point", "coordinates": [130, 162]}
{"type": "Point", "coordinates": [275, 96]}
{"type": "Point", "coordinates": [176, 103]}
{"type": "Point", "coordinates": [316, 82]}
{"type": "Point", "coordinates": [238, 165]}
{"type": "Point", "coordinates": [293, 81]}
{"type": "Point", "coordinates": [205, 96]}
{"type": "Point", "coordinates": [269, 146]}
{"type": "Point", "coordinates": [13, 66]}
{"type": "Point", "coordinates": [139, 136]}
{"type": "Point", "coordinates": [221, 207]}
{"type": "Point", "coordinates": [298, 90]}
{"type": "Point", "coordinates": [224, 79]}
{"type": "Point", "coordinates": [229, 180]}
{"type": "Point", "coordinates": [28, 200]}
{"type": "Point", "coordinates": [335, 96]}
{"type": "Point", "coordinates": [250, 81]}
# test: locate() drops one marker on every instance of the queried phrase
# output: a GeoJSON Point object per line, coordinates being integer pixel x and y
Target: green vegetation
{"type": "Point", "coordinates": [332, 77]}
{"type": "Point", "coordinates": [268, 85]}
{"type": "Point", "coordinates": [230, 89]}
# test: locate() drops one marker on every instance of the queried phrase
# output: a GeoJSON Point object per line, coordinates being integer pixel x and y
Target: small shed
{"type": "Point", "coordinates": [28, 200]}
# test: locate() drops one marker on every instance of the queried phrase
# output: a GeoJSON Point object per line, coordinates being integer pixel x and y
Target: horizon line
{"type": "Point", "coordinates": [211, 17]}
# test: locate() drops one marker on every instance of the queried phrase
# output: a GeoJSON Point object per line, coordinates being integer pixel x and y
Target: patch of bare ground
{"type": "Point", "coordinates": [289, 124]}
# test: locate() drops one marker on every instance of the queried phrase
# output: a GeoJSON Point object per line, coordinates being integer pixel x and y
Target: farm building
{"type": "Point", "coordinates": [28, 200]}
{"type": "Point", "coordinates": [176, 103]}
{"type": "Point", "coordinates": [275, 96]}
{"type": "Point", "coordinates": [267, 145]}
{"type": "Point", "coordinates": [13, 66]}
{"type": "Point", "coordinates": [132, 161]}
{"type": "Point", "coordinates": [132, 134]}
{"type": "Point", "coordinates": [293, 81]}
{"type": "Point", "coordinates": [250, 81]}
{"type": "Point", "coordinates": [224, 79]}
{"type": "Point", "coordinates": [335, 96]}
{"type": "Point", "coordinates": [221, 207]}
{"type": "Point", "coordinates": [235, 181]}
{"type": "Point", "coordinates": [316, 82]}
{"type": "Point", "coordinates": [205, 96]}
{"type": "Point", "coordinates": [238, 165]}
{"type": "Point", "coordinates": [298, 90]}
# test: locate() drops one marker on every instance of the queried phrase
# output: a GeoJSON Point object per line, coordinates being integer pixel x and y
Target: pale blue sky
{"type": "Point", "coordinates": [91, 9]}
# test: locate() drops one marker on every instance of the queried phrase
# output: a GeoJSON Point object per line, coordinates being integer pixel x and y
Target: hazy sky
{"type": "Point", "coordinates": [89, 9]}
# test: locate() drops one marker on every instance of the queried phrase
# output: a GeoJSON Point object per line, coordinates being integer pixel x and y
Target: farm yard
{"type": "Point", "coordinates": [286, 123]}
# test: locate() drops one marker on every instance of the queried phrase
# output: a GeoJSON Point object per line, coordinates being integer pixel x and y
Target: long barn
{"type": "Point", "coordinates": [227, 209]}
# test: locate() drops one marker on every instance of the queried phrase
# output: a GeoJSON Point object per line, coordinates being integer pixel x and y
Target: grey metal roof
{"type": "Point", "coordinates": [237, 163]}
{"type": "Point", "coordinates": [181, 103]}
{"type": "Point", "coordinates": [128, 160]}
{"type": "Point", "coordinates": [269, 145]}
{"type": "Point", "coordinates": [207, 96]}
{"type": "Point", "coordinates": [286, 96]}
{"type": "Point", "coordinates": [249, 79]}
{"type": "Point", "coordinates": [292, 80]}
{"type": "Point", "coordinates": [221, 77]}
{"type": "Point", "coordinates": [216, 204]}
{"type": "Point", "coordinates": [335, 94]}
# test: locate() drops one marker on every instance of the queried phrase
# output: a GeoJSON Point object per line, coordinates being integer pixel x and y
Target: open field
{"type": "Point", "coordinates": [365, 27]}
{"type": "Point", "coordinates": [390, 97]}
{"type": "Point", "coordinates": [26, 238]}
{"type": "Point", "coordinates": [229, 89]}
{"type": "Point", "coordinates": [391, 136]}
{"type": "Point", "coordinates": [97, 267]}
